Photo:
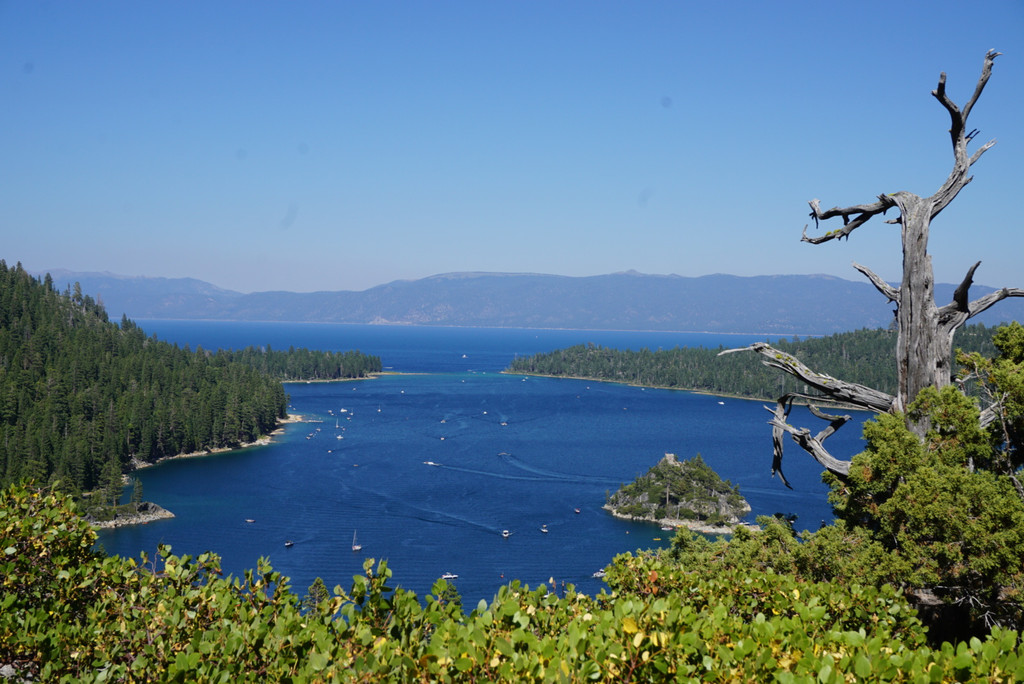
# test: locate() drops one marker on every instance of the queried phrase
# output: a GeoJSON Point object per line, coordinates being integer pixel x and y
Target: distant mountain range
{"type": "Point", "coordinates": [781, 304]}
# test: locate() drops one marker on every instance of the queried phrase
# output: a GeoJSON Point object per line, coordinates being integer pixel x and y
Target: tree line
{"type": "Point", "coordinates": [305, 364]}
{"type": "Point", "coordinates": [82, 400]}
{"type": "Point", "coordinates": [861, 356]}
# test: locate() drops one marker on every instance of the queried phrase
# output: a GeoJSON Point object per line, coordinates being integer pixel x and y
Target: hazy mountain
{"type": "Point", "coordinates": [796, 304]}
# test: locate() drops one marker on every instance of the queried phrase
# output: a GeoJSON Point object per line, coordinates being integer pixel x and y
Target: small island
{"type": "Point", "coordinates": [681, 494]}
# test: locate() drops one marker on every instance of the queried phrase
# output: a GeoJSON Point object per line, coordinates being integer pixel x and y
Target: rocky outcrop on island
{"type": "Point", "coordinates": [145, 512]}
{"type": "Point", "coordinates": [687, 493]}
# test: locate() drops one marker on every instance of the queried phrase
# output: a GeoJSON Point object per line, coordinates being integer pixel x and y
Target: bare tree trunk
{"type": "Point", "coordinates": [925, 331]}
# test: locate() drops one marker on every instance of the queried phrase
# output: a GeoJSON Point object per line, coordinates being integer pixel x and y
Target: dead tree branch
{"type": "Point", "coordinates": [861, 214]}
{"type": "Point", "coordinates": [841, 391]}
{"type": "Point", "coordinates": [958, 177]}
{"type": "Point", "coordinates": [802, 436]}
{"type": "Point", "coordinates": [891, 293]}
{"type": "Point", "coordinates": [832, 389]}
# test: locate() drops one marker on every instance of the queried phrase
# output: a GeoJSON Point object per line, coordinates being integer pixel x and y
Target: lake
{"type": "Point", "coordinates": [429, 466]}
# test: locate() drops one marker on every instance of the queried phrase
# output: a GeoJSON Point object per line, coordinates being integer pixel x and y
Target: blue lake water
{"type": "Point", "coordinates": [510, 453]}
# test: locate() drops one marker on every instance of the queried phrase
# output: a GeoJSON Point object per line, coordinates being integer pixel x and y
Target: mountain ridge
{"type": "Point", "coordinates": [627, 300]}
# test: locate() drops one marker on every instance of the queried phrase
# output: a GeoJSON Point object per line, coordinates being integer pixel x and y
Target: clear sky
{"type": "Point", "coordinates": [340, 145]}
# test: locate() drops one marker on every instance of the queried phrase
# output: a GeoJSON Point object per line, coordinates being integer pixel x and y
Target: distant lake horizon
{"type": "Point", "coordinates": [429, 468]}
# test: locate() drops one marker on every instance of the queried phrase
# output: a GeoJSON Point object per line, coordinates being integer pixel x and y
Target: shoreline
{"type": "Point", "coordinates": [709, 393]}
{"type": "Point", "coordinates": [150, 513]}
{"type": "Point", "coordinates": [692, 525]}
{"type": "Point", "coordinates": [262, 441]}
{"type": "Point", "coordinates": [824, 401]}
{"type": "Point", "coordinates": [153, 511]}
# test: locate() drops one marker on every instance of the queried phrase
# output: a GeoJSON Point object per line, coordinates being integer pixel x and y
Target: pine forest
{"type": "Point", "coordinates": [83, 399]}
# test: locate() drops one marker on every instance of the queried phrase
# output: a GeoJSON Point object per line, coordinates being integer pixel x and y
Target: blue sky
{"type": "Point", "coordinates": [339, 145]}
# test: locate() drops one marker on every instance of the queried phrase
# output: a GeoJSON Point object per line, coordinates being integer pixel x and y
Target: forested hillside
{"type": "Point", "coordinates": [305, 364]}
{"type": "Point", "coordinates": [80, 397]}
{"type": "Point", "coordinates": [863, 356]}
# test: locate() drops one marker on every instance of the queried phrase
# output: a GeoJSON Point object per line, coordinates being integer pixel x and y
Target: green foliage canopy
{"type": "Point", "coordinates": [177, 619]}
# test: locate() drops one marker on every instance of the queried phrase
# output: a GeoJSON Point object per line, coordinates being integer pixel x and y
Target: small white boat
{"type": "Point", "coordinates": [449, 576]}
{"type": "Point", "coordinates": [356, 546]}
{"type": "Point", "coordinates": [544, 529]}
{"type": "Point", "coordinates": [506, 534]}
{"type": "Point", "coordinates": [288, 544]}
{"type": "Point", "coordinates": [249, 520]}
{"type": "Point", "coordinates": [431, 463]}
{"type": "Point", "coordinates": [599, 574]}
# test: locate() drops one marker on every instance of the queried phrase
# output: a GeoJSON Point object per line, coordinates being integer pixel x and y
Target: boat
{"type": "Point", "coordinates": [288, 544]}
{"type": "Point", "coordinates": [249, 520]}
{"type": "Point", "coordinates": [449, 576]}
{"type": "Point", "coordinates": [506, 534]}
{"type": "Point", "coordinates": [599, 574]}
{"type": "Point", "coordinates": [577, 511]}
{"type": "Point", "coordinates": [356, 546]}
{"type": "Point", "coordinates": [431, 463]}
{"type": "Point", "coordinates": [544, 529]}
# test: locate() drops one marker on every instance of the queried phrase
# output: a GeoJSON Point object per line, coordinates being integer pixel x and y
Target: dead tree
{"type": "Point", "coordinates": [925, 330]}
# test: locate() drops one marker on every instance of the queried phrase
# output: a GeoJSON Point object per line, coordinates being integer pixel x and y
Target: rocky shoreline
{"type": "Point", "coordinates": [262, 441]}
{"type": "Point", "coordinates": [694, 525]}
{"type": "Point", "coordinates": [147, 512]}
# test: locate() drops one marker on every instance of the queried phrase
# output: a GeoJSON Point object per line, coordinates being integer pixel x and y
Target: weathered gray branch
{"type": "Point", "coordinates": [861, 213]}
{"type": "Point", "coordinates": [802, 436]}
{"type": "Point", "coordinates": [986, 301]}
{"type": "Point", "coordinates": [958, 177]}
{"type": "Point", "coordinates": [833, 388]}
{"type": "Point", "coordinates": [953, 315]}
{"type": "Point", "coordinates": [779, 427]}
{"type": "Point", "coordinates": [885, 288]}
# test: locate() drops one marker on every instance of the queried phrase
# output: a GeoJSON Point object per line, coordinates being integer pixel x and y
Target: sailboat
{"type": "Point", "coordinates": [356, 546]}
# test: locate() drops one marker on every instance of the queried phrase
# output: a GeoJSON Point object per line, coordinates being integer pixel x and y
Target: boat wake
{"type": "Point", "coordinates": [553, 475]}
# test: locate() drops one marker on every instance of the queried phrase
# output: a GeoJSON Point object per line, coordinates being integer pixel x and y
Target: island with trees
{"type": "Point", "coordinates": [684, 493]}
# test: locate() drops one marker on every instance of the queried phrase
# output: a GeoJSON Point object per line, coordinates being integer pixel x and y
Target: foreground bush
{"type": "Point", "coordinates": [68, 613]}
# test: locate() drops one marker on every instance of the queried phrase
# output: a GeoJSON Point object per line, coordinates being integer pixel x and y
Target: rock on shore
{"type": "Point", "coordinates": [147, 512]}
